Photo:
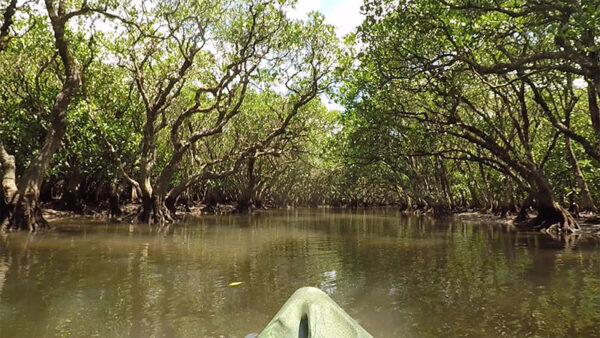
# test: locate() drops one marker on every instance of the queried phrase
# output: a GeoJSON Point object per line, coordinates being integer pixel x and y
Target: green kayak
{"type": "Point", "coordinates": [311, 313]}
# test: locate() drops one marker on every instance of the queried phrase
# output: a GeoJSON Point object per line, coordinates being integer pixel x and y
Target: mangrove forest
{"type": "Point", "coordinates": [299, 168]}
{"type": "Point", "coordinates": [443, 106]}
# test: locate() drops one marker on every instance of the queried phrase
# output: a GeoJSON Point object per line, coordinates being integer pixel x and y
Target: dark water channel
{"type": "Point", "coordinates": [396, 275]}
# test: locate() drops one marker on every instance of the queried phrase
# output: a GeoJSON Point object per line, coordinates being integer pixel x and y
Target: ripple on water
{"type": "Point", "coordinates": [397, 275]}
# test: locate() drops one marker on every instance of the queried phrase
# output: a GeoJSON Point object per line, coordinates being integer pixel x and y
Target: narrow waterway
{"type": "Point", "coordinates": [398, 276]}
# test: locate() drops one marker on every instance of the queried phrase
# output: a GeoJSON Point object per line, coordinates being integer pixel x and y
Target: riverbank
{"type": "Point", "coordinates": [589, 222]}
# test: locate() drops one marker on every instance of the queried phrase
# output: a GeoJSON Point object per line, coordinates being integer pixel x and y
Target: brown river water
{"type": "Point", "coordinates": [398, 276]}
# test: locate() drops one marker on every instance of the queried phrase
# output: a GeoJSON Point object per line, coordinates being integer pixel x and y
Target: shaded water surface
{"type": "Point", "coordinates": [397, 275]}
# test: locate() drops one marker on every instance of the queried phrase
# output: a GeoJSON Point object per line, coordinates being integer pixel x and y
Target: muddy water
{"type": "Point", "coordinates": [396, 275]}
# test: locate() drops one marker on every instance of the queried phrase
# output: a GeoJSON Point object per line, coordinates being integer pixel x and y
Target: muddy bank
{"type": "Point", "coordinates": [589, 222]}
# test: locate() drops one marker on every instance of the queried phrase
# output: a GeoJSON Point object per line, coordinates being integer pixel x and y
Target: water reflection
{"type": "Point", "coordinates": [396, 275]}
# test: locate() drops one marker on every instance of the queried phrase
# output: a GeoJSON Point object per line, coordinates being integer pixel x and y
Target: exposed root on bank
{"type": "Point", "coordinates": [154, 211]}
{"type": "Point", "coordinates": [153, 217]}
{"type": "Point", "coordinates": [555, 220]}
{"type": "Point", "coordinates": [25, 215]}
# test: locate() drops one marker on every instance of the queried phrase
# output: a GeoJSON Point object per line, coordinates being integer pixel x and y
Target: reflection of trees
{"type": "Point", "coordinates": [475, 281]}
{"type": "Point", "coordinates": [397, 276]}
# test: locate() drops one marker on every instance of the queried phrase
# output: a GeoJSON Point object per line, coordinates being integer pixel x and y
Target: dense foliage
{"type": "Point", "coordinates": [163, 102]}
{"type": "Point", "coordinates": [448, 105]}
{"type": "Point", "coordinates": [480, 104]}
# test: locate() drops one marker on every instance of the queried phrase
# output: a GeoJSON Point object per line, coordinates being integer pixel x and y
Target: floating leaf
{"type": "Point", "coordinates": [236, 283]}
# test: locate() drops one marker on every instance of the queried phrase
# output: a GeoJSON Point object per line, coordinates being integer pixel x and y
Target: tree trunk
{"type": "Point", "coordinates": [488, 193]}
{"type": "Point", "coordinates": [247, 195]}
{"type": "Point", "coordinates": [70, 199]}
{"type": "Point", "coordinates": [523, 213]}
{"type": "Point", "coordinates": [9, 13]}
{"type": "Point", "coordinates": [508, 203]}
{"type": "Point", "coordinates": [154, 211]}
{"type": "Point", "coordinates": [27, 214]}
{"type": "Point", "coordinates": [171, 204]}
{"type": "Point", "coordinates": [586, 202]}
{"type": "Point", "coordinates": [473, 186]}
{"type": "Point", "coordinates": [9, 187]}
{"type": "Point", "coordinates": [445, 183]}
{"type": "Point", "coordinates": [593, 93]}
{"type": "Point", "coordinates": [552, 217]}
{"type": "Point", "coordinates": [114, 209]}
{"type": "Point", "coordinates": [23, 211]}
{"type": "Point", "coordinates": [134, 194]}
{"type": "Point", "coordinates": [474, 202]}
